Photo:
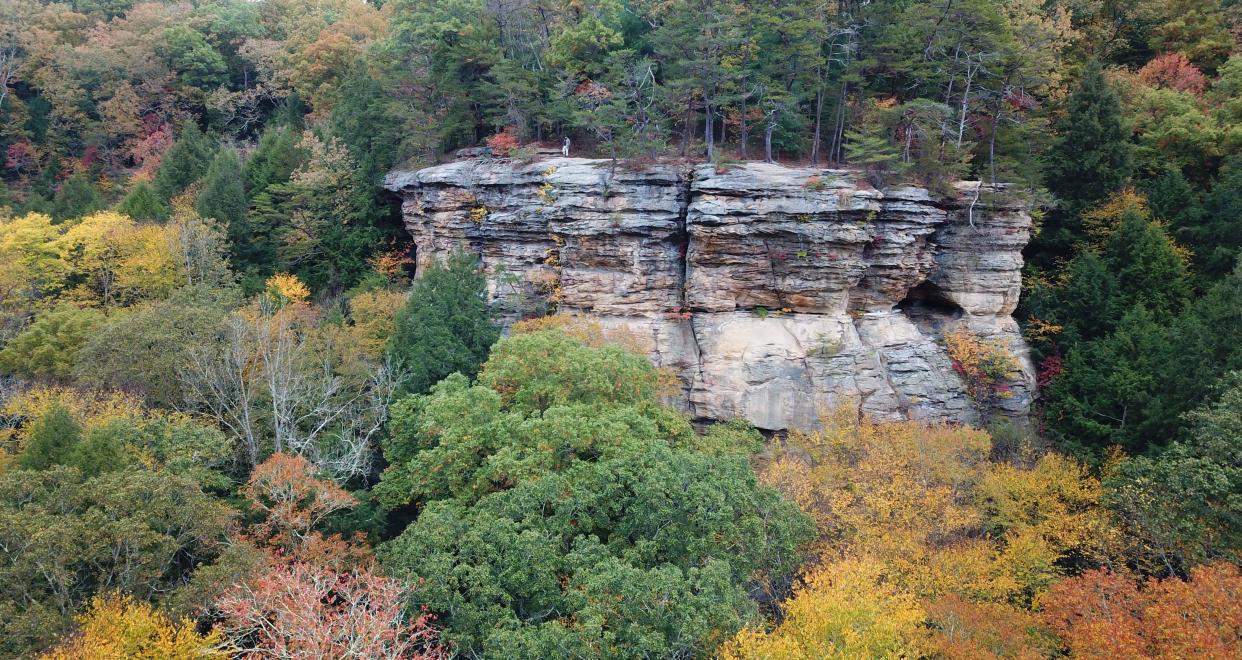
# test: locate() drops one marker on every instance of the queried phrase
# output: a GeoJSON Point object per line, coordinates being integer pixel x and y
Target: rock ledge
{"type": "Point", "coordinates": [772, 291]}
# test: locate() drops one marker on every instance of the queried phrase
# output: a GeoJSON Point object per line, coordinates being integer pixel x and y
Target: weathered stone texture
{"type": "Point", "coordinates": [773, 291]}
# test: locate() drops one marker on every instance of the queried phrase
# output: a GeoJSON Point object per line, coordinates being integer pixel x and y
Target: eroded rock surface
{"type": "Point", "coordinates": [772, 291]}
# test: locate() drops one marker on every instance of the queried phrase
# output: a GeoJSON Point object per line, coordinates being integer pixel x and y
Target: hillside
{"type": "Point", "coordinates": [620, 328]}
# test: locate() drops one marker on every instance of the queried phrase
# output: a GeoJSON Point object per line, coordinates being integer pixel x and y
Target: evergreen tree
{"type": "Point", "coordinates": [1217, 241]}
{"type": "Point", "coordinates": [557, 489]}
{"type": "Point", "coordinates": [77, 196]}
{"type": "Point", "coordinates": [274, 160]}
{"type": "Point", "coordinates": [1091, 158]}
{"type": "Point", "coordinates": [223, 196]}
{"type": "Point", "coordinates": [1085, 306]}
{"type": "Point", "coordinates": [51, 441]}
{"type": "Point", "coordinates": [184, 163]}
{"type": "Point", "coordinates": [143, 204]}
{"type": "Point", "coordinates": [1105, 395]}
{"type": "Point", "coordinates": [1149, 269]}
{"type": "Point", "coordinates": [37, 203]}
{"type": "Point", "coordinates": [446, 326]}
{"type": "Point", "coordinates": [99, 452]}
{"type": "Point", "coordinates": [1174, 200]}
{"type": "Point", "coordinates": [1205, 343]}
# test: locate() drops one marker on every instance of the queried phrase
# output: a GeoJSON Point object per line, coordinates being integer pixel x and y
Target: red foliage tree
{"type": "Point", "coordinates": [1102, 614]}
{"type": "Point", "coordinates": [302, 611]}
{"type": "Point", "coordinates": [1174, 71]}
{"type": "Point", "coordinates": [293, 504]}
{"type": "Point", "coordinates": [504, 142]}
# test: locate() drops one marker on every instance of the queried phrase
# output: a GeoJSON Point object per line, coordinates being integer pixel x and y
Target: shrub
{"type": "Point", "coordinates": [983, 365]}
{"type": "Point", "coordinates": [504, 142]}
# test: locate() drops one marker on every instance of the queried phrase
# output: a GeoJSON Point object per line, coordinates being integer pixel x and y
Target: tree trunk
{"type": "Point", "coordinates": [709, 130]}
{"type": "Point", "coordinates": [819, 116]}
{"type": "Point", "coordinates": [767, 141]}
{"type": "Point", "coordinates": [838, 131]}
{"type": "Point", "coordinates": [688, 126]}
{"type": "Point", "coordinates": [961, 122]}
{"type": "Point", "coordinates": [744, 137]}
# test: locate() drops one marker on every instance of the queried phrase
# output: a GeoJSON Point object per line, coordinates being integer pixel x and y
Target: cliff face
{"type": "Point", "coordinates": [773, 291]}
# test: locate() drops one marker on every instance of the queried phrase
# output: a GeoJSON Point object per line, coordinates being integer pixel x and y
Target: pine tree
{"type": "Point", "coordinates": [143, 204]}
{"type": "Point", "coordinates": [1091, 158]}
{"type": "Point", "coordinates": [222, 196]}
{"type": "Point", "coordinates": [1173, 200]}
{"type": "Point", "coordinates": [446, 326]}
{"type": "Point", "coordinates": [51, 441]}
{"type": "Point", "coordinates": [1217, 242]}
{"type": "Point", "coordinates": [76, 197]}
{"type": "Point", "coordinates": [1149, 269]}
{"type": "Point", "coordinates": [1105, 395]}
{"type": "Point", "coordinates": [274, 160]}
{"type": "Point", "coordinates": [184, 163]}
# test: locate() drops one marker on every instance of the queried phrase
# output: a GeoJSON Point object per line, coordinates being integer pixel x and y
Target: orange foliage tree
{"type": "Point", "coordinates": [1102, 614]}
{"type": "Point", "coordinates": [293, 504]}
{"type": "Point", "coordinates": [1174, 71]}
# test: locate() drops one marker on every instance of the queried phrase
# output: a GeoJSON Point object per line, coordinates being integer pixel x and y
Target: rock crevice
{"type": "Point", "coordinates": [772, 291]}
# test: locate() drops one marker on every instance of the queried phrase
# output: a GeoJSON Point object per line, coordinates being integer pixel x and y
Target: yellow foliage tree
{"type": "Point", "coordinates": [92, 408]}
{"type": "Point", "coordinates": [983, 365]}
{"type": "Point", "coordinates": [374, 316]}
{"type": "Point", "coordinates": [116, 627]}
{"type": "Point", "coordinates": [32, 272]}
{"type": "Point", "coordinates": [287, 287]}
{"type": "Point", "coordinates": [1042, 514]}
{"type": "Point", "coordinates": [847, 609]}
{"type": "Point", "coordinates": [935, 523]}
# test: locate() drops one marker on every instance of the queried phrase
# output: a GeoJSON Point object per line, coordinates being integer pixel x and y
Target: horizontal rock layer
{"type": "Point", "coordinates": [772, 291]}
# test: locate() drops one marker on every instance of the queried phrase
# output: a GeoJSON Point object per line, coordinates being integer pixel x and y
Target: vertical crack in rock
{"type": "Point", "coordinates": [859, 285]}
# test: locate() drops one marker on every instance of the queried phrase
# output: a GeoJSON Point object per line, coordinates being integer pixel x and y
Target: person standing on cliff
{"type": "Point", "coordinates": [565, 147]}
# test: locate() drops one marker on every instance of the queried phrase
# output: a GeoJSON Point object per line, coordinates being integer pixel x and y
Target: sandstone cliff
{"type": "Point", "coordinates": [773, 291]}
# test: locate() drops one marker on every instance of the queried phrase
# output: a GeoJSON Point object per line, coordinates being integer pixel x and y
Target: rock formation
{"type": "Point", "coordinates": [772, 291]}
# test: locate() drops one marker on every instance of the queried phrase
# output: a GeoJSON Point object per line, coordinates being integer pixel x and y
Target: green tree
{"type": "Point", "coordinates": [99, 452]}
{"type": "Point", "coordinates": [146, 349]}
{"type": "Point", "coordinates": [135, 531]}
{"type": "Point", "coordinates": [1149, 269]}
{"type": "Point", "coordinates": [77, 196]}
{"type": "Point", "coordinates": [1085, 305]}
{"type": "Point", "coordinates": [1205, 343]}
{"type": "Point", "coordinates": [447, 326]}
{"type": "Point", "coordinates": [1175, 201]}
{"type": "Point", "coordinates": [1108, 392]}
{"type": "Point", "coordinates": [1090, 159]}
{"type": "Point", "coordinates": [52, 440]}
{"type": "Point", "coordinates": [222, 196]}
{"type": "Point", "coordinates": [49, 347]}
{"type": "Point", "coordinates": [197, 63]}
{"type": "Point", "coordinates": [274, 160]}
{"type": "Point", "coordinates": [143, 204]}
{"type": "Point", "coordinates": [185, 162]}
{"type": "Point", "coordinates": [1217, 239]}
{"type": "Point", "coordinates": [572, 513]}
{"type": "Point", "coordinates": [1184, 506]}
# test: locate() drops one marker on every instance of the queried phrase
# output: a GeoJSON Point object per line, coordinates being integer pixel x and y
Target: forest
{"type": "Point", "coordinates": [233, 425]}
